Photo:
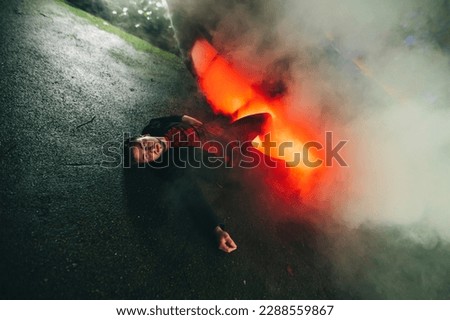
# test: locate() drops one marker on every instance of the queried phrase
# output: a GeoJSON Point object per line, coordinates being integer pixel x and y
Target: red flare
{"type": "Point", "coordinates": [230, 93]}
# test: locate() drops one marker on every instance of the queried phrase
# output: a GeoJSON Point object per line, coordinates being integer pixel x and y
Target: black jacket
{"type": "Point", "coordinates": [191, 197]}
{"type": "Point", "coordinates": [158, 127]}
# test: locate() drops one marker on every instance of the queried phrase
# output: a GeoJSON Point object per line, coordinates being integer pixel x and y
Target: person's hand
{"type": "Point", "coordinates": [226, 244]}
{"type": "Point", "coordinates": [190, 120]}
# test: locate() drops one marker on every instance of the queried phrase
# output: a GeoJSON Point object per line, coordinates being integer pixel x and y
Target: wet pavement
{"type": "Point", "coordinates": [68, 226]}
{"type": "Point", "coordinates": [72, 228]}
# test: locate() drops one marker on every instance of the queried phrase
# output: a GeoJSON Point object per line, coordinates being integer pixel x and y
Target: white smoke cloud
{"type": "Point", "coordinates": [399, 124]}
{"type": "Point", "coordinates": [376, 73]}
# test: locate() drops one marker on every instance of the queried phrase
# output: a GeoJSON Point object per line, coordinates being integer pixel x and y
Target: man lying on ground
{"type": "Point", "coordinates": [162, 134]}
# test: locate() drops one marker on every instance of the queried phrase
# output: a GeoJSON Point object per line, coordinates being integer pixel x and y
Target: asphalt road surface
{"type": "Point", "coordinates": [72, 228]}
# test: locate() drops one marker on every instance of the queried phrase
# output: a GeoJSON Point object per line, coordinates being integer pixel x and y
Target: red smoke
{"type": "Point", "coordinates": [230, 93]}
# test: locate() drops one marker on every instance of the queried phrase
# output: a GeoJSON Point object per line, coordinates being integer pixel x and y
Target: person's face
{"type": "Point", "coordinates": [147, 149]}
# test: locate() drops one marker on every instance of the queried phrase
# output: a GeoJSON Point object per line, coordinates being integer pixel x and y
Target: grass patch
{"type": "Point", "coordinates": [137, 43]}
{"type": "Point", "coordinates": [121, 56]}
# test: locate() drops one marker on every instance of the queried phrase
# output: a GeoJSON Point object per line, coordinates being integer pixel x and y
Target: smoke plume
{"type": "Point", "coordinates": [374, 73]}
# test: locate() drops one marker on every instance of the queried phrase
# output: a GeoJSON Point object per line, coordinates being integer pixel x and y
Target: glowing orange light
{"type": "Point", "coordinates": [226, 90]}
{"type": "Point", "coordinates": [229, 93]}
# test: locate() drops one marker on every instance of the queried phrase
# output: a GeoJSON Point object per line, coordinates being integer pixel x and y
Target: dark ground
{"type": "Point", "coordinates": [68, 230]}
{"type": "Point", "coordinates": [73, 229]}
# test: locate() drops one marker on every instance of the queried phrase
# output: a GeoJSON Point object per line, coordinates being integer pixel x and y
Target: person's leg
{"type": "Point", "coordinates": [237, 135]}
{"type": "Point", "coordinates": [248, 128]}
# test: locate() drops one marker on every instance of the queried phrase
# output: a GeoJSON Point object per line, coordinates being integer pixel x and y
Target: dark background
{"type": "Point", "coordinates": [72, 229]}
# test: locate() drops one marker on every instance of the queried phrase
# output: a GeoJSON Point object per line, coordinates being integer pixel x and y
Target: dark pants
{"type": "Point", "coordinates": [243, 130]}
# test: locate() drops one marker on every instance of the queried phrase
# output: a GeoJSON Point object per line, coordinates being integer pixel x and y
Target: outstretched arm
{"type": "Point", "coordinates": [204, 215]}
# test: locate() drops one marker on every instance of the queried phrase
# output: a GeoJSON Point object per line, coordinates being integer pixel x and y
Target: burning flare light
{"type": "Point", "coordinates": [229, 93]}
